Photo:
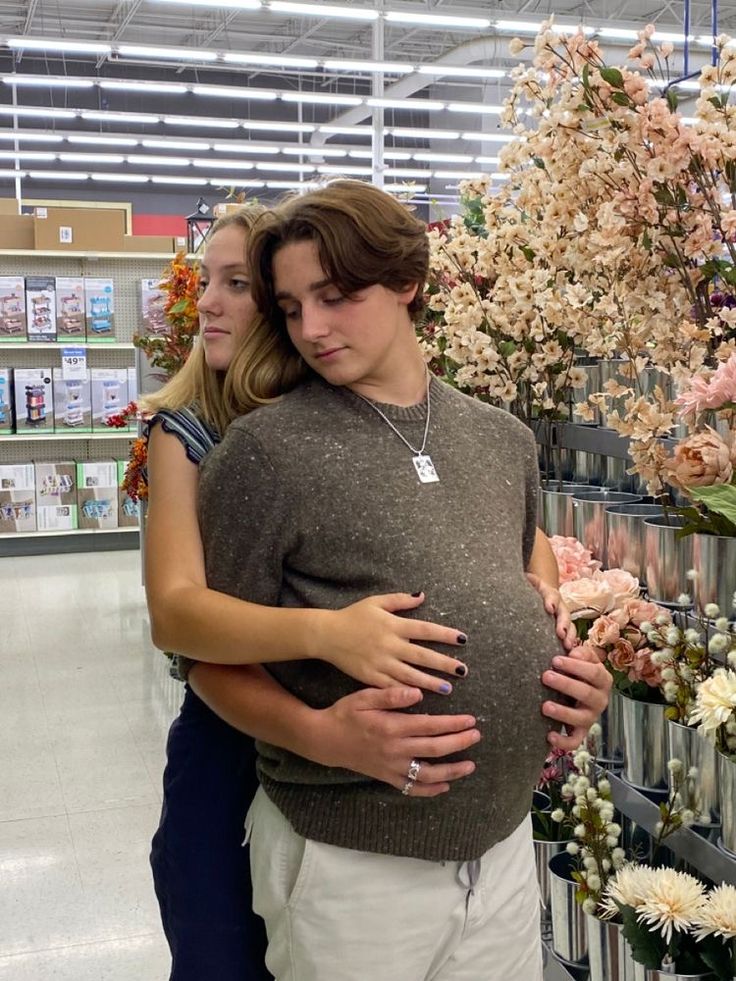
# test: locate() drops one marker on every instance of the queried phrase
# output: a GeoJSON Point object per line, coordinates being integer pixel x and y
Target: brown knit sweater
{"type": "Point", "coordinates": [313, 501]}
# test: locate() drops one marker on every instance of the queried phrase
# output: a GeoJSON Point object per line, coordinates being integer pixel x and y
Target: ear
{"type": "Point", "coordinates": [407, 294]}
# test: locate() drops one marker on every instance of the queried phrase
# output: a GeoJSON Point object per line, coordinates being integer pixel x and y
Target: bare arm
{"type": "Point", "coordinates": [362, 732]}
{"type": "Point", "coordinates": [365, 640]}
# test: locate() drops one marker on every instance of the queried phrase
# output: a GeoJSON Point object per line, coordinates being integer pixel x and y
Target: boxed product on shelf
{"type": "Point", "coordinates": [79, 229]}
{"type": "Point", "coordinates": [6, 401]}
{"type": "Point", "coordinates": [109, 395]}
{"type": "Point", "coordinates": [99, 306]}
{"type": "Point", "coordinates": [97, 494]}
{"type": "Point", "coordinates": [70, 307]}
{"type": "Point", "coordinates": [34, 400]}
{"type": "Point", "coordinates": [72, 403]}
{"type": "Point", "coordinates": [148, 243]}
{"type": "Point", "coordinates": [132, 397]}
{"type": "Point", "coordinates": [56, 496]}
{"type": "Point", "coordinates": [12, 308]}
{"type": "Point", "coordinates": [17, 231]}
{"type": "Point", "coordinates": [127, 507]}
{"type": "Point", "coordinates": [153, 321]}
{"type": "Point", "coordinates": [17, 497]}
{"type": "Point", "coordinates": [41, 308]}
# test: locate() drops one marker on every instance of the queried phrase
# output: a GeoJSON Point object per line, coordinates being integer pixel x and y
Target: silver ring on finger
{"type": "Point", "coordinates": [413, 772]}
{"type": "Point", "coordinates": [408, 787]}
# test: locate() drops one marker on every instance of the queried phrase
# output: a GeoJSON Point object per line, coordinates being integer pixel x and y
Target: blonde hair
{"type": "Point", "coordinates": [264, 366]}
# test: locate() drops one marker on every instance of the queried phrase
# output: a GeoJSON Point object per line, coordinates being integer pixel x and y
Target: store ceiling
{"type": "Point", "coordinates": [208, 28]}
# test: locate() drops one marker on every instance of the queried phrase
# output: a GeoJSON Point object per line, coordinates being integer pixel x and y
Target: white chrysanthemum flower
{"type": "Point", "coordinates": [715, 701]}
{"type": "Point", "coordinates": [718, 915]}
{"type": "Point", "coordinates": [630, 883]}
{"type": "Point", "coordinates": [712, 610]}
{"type": "Point", "coordinates": [671, 902]}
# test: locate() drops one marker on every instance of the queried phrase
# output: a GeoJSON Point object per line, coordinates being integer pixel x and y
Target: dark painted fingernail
{"type": "Point", "coordinates": [445, 689]}
{"type": "Point", "coordinates": [461, 670]}
{"type": "Point", "coordinates": [462, 638]}
{"type": "Point", "coordinates": [417, 595]}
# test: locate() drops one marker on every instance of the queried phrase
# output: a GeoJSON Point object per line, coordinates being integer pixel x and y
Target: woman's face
{"type": "Point", "coordinates": [226, 309]}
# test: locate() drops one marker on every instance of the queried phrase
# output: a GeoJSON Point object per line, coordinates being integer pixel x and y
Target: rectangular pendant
{"type": "Point", "coordinates": [425, 469]}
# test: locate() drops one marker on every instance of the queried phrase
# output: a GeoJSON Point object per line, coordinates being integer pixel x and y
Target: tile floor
{"type": "Point", "coordinates": [85, 703]}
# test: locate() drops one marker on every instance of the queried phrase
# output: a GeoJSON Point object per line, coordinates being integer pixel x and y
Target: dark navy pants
{"type": "Point", "coordinates": [201, 871]}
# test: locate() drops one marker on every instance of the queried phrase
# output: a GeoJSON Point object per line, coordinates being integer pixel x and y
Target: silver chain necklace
{"type": "Point", "coordinates": [422, 461]}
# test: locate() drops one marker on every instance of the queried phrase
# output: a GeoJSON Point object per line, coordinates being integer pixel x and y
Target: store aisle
{"type": "Point", "coordinates": [85, 702]}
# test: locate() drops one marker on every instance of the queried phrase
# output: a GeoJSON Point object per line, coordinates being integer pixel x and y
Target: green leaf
{"type": "Point", "coordinates": [585, 76]}
{"type": "Point", "coordinates": [507, 348]}
{"type": "Point", "coordinates": [720, 498]}
{"type": "Point", "coordinates": [538, 162]}
{"type": "Point", "coordinates": [528, 252]}
{"type": "Point", "coordinates": [646, 241]}
{"type": "Point", "coordinates": [646, 948]}
{"type": "Point", "coordinates": [715, 101]}
{"type": "Point", "coordinates": [621, 99]}
{"type": "Point", "coordinates": [613, 77]}
{"type": "Point", "coordinates": [716, 955]}
{"type": "Point", "coordinates": [672, 100]}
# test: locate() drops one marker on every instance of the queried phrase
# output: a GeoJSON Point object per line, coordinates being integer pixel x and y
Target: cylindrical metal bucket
{"type": "Point", "coordinates": [606, 950]}
{"type": "Point", "coordinates": [668, 558]}
{"type": "Point", "coordinates": [727, 798]}
{"type": "Point", "coordinates": [668, 976]}
{"type": "Point", "coordinates": [555, 507]}
{"type": "Point", "coordinates": [609, 751]}
{"type": "Point", "coordinates": [645, 743]}
{"type": "Point", "coordinates": [592, 385]}
{"type": "Point", "coordinates": [543, 852]}
{"type": "Point", "coordinates": [714, 559]}
{"type": "Point", "coordinates": [587, 468]}
{"type": "Point", "coordinates": [625, 536]}
{"type": "Point", "coordinates": [588, 518]}
{"type": "Point", "coordinates": [685, 743]}
{"type": "Point", "coordinates": [569, 938]}
{"type": "Point", "coordinates": [615, 476]}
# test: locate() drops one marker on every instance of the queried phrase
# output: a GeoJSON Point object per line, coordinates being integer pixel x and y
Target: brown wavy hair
{"type": "Point", "coordinates": [364, 237]}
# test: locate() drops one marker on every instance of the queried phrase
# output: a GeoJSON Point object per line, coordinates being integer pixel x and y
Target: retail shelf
{"type": "Point", "coordinates": [61, 534]}
{"type": "Point", "coordinates": [686, 843]}
{"type": "Point", "coordinates": [69, 342]}
{"type": "Point", "coordinates": [80, 540]}
{"type": "Point", "coordinates": [44, 437]}
{"type": "Point", "coordinates": [590, 439]}
{"type": "Point", "coordinates": [89, 254]}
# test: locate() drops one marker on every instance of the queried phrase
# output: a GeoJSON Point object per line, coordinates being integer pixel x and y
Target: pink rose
{"type": "Point", "coordinates": [623, 585]}
{"type": "Point", "coordinates": [604, 632]}
{"type": "Point", "coordinates": [641, 611]}
{"type": "Point", "coordinates": [634, 636]}
{"type": "Point", "coordinates": [642, 669]}
{"type": "Point", "coordinates": [574, 561]}
{"type": "Point", "coordinates": [700, 461]}
{"type": "Point", "coordinates": [622, 655]}
{"type": "Point", "coordinates": [587, 599]}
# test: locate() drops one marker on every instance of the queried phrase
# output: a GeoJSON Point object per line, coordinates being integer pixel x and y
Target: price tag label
{"type": "Point", "coordinates": [73, 363]}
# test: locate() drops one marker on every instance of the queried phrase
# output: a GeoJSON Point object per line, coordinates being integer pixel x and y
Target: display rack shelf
{"type": "Point", "coordinates": [590, 439]}
{"type": "Point", "coordinates": [81, 540]}
{"type": "Point", "coordinates": [69, 342]}
{"type": "Point", "coordinates": [47, 437]}
{"type": "Point", "coordinates": [92, 256]}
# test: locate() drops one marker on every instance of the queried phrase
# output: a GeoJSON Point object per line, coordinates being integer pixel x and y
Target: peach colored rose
{"type": "Point", "coordinates": [587, 599]}
{"type": "Point", "coordinates": [634, 636]}
{"type": "Point", "coordinates": [623, 585]}
{"type": "Point", "coordinates": [622, 655]}
{"type": "Point", "coordinates": [642, 669]}
{"type": "Point", "coordinates": [604, 632]}
{"type": "Point", "coordinates": [700, 461]}
{"type": "Point", "coordinates": [641, 611]}
{"type": "Point", "coordinates": [574, 560]}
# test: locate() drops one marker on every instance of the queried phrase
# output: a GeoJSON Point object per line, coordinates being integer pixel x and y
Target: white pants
{"type": "Point", "coordinates": [334, 914]}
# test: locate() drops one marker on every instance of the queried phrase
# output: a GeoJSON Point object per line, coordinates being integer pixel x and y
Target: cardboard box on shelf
{"type": "Point", "coordinates": [17, 497]}
{"type": "Point", "coordinates": [109, 395]}
{"type": "Point", "coordinates": [8, 206]}
{"type": "Point", "coordinates": [41, 308]}
{"type": "Point", "coordinates": [6, 401]}
{"type": "Point", "coordinates": [97, 494]}
{"type": "Point", "coordinates": [70, 307]}
{"type": "Point", "coordinates": [12, 308]}
{"type": "Point", "coordinates": [17, 232]}
{"type": "Point", "coordinates": [148, 243]}
{"type": "Point", "coordinates": [56, 496]}
{"type": "Point", "coordinates": [72, 403]}
{"type": "Point", "coordinates": [79, 229]}
{"type": "Point", "coordinates": [99, 306]}
{"type": "Point", "coordinates": [127, 507]}
{"type": "Point", "coordinates": [34, 400]}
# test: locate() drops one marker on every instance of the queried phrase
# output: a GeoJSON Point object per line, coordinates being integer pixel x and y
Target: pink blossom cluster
{"type": "Point", "coordinates": [574, 560]}
{"type": "Point", "coordinates": [599, 593]}
{"type": "Point", "coordinates": [712, 391]}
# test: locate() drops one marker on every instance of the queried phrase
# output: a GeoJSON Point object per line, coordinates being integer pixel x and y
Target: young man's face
{"type": "Point", "coordinates": [349, 340]}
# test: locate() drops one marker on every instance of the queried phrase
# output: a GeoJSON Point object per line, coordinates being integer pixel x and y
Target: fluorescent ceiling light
{"type": "Point", "coordinates": [286, 167]}
{"type": "Point", "coordinates": [243, 148]}
{"type": "Point", "coordinates": [201, 121]}
{"type": "Point", "coordinates": [322, 10]}
{"type": "Point", "coordinates": [461, 72]}
{"type": "Point", "coordinates": [93, 157]}
{"type": "Point", "coordinates": [178, 54]}
{"type": "Point", "coordinates": [104, 140]}
{"type": "Point", "coordinates": [500, 177]}
{"type": "Point", "coordinates": [490, 137]}
{"type": "Point", "coordinates": [50, 81]}
{"type": "Point", "coordinates": [12, 173]}
{"type": "Point", "coordinates": [461, 175]}
{"type": "Point", "coordinates": [387, 67]}
{"type": "Point", "coordinates": [122, 178]}
{"type": "Point", "coordinates": [273, 60]}
{"type": "Point", "coordinates": [225, 164]}
{"type": "Point", "coordinates": [426, 105]}
{"type": "Point", "coordinates": [313, 151]}
{"type": "Point", "coordinates": [57, 175]}
{"type": "Point", "coordinates": [26, 155]}
{"type": "Point", "coordinates": [618, 32]}
{"type": "Point", "coordinates": [436, 20]}
{"type": "Point", "coordinates": [175, 145]}
{"type": "Point", "coordinates": [122, 86]}
{"type": "Point", "coordinates": [234, 92]}
{"type": "Point", "coordinates": [44, 112]}
{"type": "Point", "coordinates": [350, 130]}
{"type": "Point", "coordinates": [18, 134]}
{"type": "Point", "coordinates": [299, 185]}
{"type": "Point", "coordinates": [404, 189]}
{"type": "Point", "coordinates": [487, 160]}
{"type": "Point", "coordinates": [423, 134]}
{"type": "Point", "coordinates": [387, 154]}
{"type": "Point", "coordinates": [188, 181]}
{"type": "Point", "coordinates": [407, 172]}
{"type": "Point", "coordinates": [480, 107]}
{"type": "Point", "coordinates": [52, 44]}
{"type": "Point", "coordinates": [353, 171]}
{"type": "Point", "coordinates": [320, 99]}
{"type": "Point", "coordinates": [235, 4]}
{"type": "Point", "coordinates": [119, 117]}
{"type": "Point", "coordinates": [147, 160]}
{"type": "Point", "coordinates": [278, 127]}
{"type": "Point", "coordinates": [445, 157]}
{"type": "Point", "coordinates": [239, 181]}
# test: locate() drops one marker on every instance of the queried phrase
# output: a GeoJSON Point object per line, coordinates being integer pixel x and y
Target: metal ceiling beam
{"type": "Point", "coordinates": [128, 10]}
